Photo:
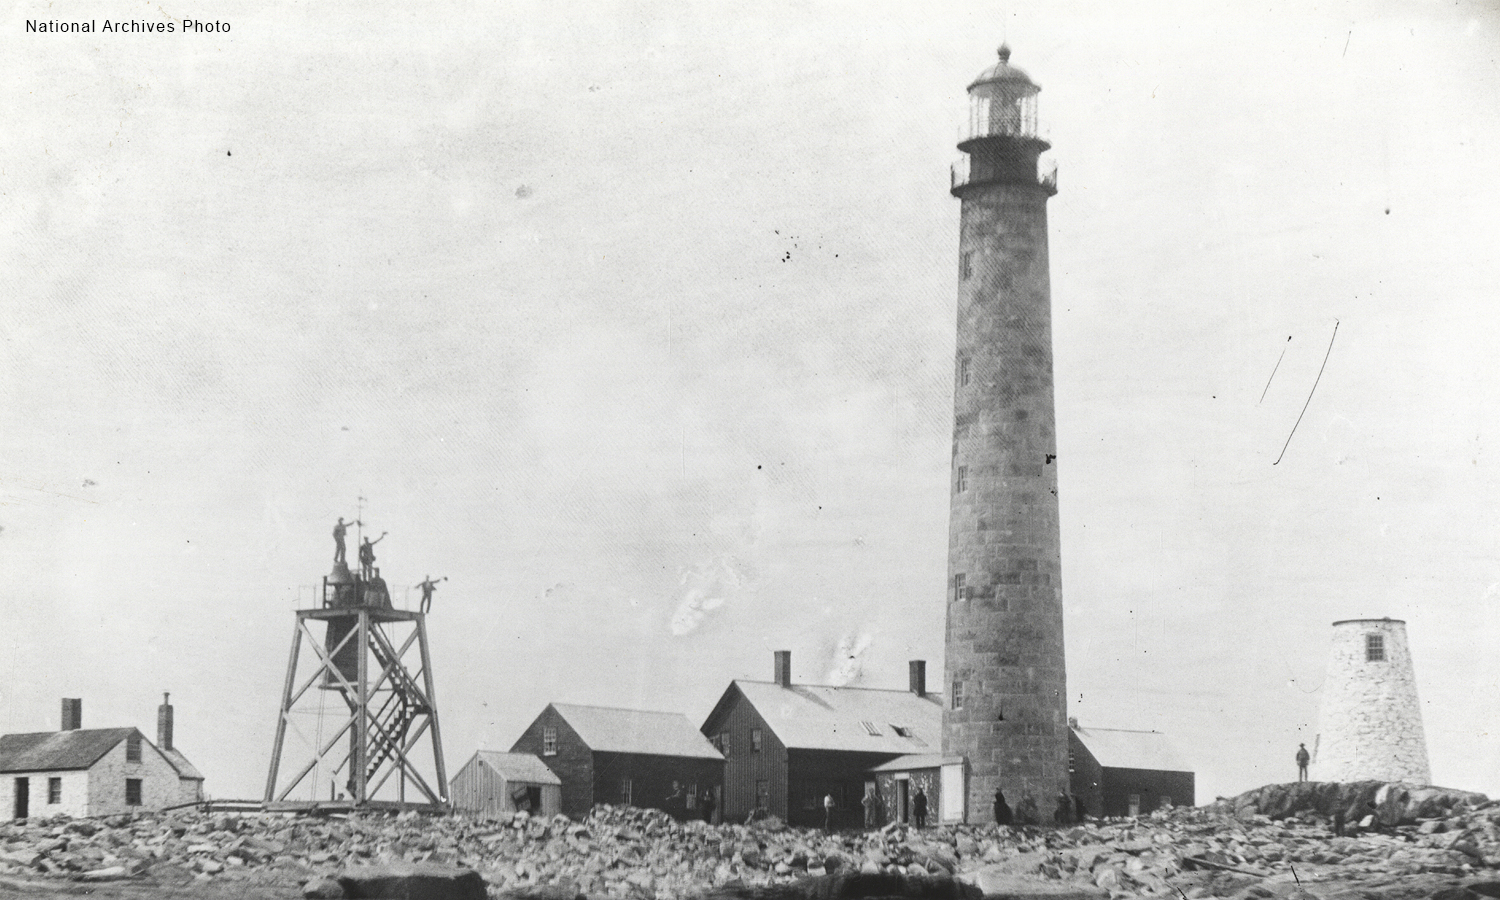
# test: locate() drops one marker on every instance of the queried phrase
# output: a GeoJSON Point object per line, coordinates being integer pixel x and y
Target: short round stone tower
{"type": "Point", "coordinates": [1005, 708]}
{"type": "Point", "coordinates": [1370, 723]}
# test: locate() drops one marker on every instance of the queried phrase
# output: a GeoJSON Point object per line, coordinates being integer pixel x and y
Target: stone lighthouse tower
{"type": "Point", "coordinates": [1005, 710]}
{"type": "Point", "coordinates": [1370, 724]}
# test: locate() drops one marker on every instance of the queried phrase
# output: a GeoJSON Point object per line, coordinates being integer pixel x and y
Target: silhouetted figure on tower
{"type": "Point", "coordinates": [339, 531]}
{"type": "Point", "coordinates": [367, 555]}
{"type": "Point", "coordinates": [428, 586]}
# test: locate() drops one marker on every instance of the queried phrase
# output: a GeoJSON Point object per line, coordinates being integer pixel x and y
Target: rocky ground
{"type": "Point", "coordinates": [1271, 843]}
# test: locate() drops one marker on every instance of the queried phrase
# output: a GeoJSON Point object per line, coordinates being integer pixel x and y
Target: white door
{"type": "Point", "coordinates": [953, 791]}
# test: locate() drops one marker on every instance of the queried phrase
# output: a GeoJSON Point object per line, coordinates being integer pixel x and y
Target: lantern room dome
{"type": "Point", "coordinates": [1002, 72]}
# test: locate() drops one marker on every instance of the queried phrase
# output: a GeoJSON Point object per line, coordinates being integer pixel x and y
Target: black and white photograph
{"type": "Point", "coordinates": [632, 450]}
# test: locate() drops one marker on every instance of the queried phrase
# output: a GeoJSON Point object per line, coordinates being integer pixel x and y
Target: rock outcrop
{"type": "Point", "coordinates": [1271, 844]}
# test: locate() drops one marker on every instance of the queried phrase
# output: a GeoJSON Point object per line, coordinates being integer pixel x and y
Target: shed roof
{"type": "Point", "coordinates": [823, 717]}
{"type": "Point", "coordinates": [918, 761]}
{"type": "Point", "coordinates": [610, 730]}
{"type": "Point", "coordinates": [1116, 748]}
{"type": "Point", "coordinates": [43, 751]}
{"type": "Point", "coordinates": [518, 767]}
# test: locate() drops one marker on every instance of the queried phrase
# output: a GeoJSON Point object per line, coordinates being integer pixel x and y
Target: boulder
{"type": "Point", "coordinates": [413, 881]}
{"type": "Point", "coordinates": [323, 889]}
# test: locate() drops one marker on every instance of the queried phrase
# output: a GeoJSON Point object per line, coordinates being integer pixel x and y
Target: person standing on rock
{"type": "Point", "coordinates": [872, 808]}
{"type": "Point", "coordinates": [827, 812]}
{"type": "Point", "coordinates": [1003, 815]}
{"type": "Point", "coordinates": [919, 808]}
{"type": "Point", "coordinates": [1063, 813]}
{"type": "Point", "coordinates": [1303, 758]}
{"type": "Point", "coordinates": [1026, 812]}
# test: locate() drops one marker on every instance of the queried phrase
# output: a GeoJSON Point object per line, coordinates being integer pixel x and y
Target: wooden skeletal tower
{"type": "Point", "coordinates": [372, 739]}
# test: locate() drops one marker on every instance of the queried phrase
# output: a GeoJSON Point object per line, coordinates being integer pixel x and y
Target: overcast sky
{"type": "Point", "coordinates": [636, 319]}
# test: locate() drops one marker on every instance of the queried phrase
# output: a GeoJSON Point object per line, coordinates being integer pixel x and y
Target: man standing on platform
{"type": "Point", "coordinates": [427, 588]}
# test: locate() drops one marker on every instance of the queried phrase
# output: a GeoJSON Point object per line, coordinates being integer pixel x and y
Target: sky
{"type": "Point", "coordinates": [635, 320]}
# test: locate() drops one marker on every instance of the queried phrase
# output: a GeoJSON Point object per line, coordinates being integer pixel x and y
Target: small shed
{"type": "Point", "coordinates": [941, 779]}
{"type": "Point", "coordinates": [494, 784]}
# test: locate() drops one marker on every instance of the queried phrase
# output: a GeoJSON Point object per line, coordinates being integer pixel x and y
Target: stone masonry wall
{"type": "Point", "coordinates": [74, 800]}
{"type": "Point", "coordinates": [1004, 644]}
{"type": "Point", "coordinates": [160, 784]}
{"type": "Point", "coordinates": [1370, 723]}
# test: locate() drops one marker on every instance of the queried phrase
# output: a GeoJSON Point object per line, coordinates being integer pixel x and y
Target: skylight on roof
{"type": "Point", "coordinates": [901, 731]}
{"type": "Point", "coordinates": [872, 728]}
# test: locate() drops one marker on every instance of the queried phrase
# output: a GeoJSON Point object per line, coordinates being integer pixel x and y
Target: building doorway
{"type": "Point", "coordinates": [23, 798]}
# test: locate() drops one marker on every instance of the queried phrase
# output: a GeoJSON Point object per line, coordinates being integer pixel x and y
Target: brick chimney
{"type": "Point", "coordinates": [72, 713]}
{"type": "Point", "coordinates": [164, 722]}
{"type": "Point", "coordinates": [917, 671]}
{"type": "Point", "coordinates": [783, 668]}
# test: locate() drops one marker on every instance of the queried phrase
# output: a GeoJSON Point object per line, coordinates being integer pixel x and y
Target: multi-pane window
{"type": "Point", "coordinates": [133, 748]}
{"type": "Point", "coordinates": [132, 792]}
{"type": "Point", "coordinates": [724, 742]}
{"type": "Point", "coordinates": [959, 592]}
{"type": "Point", "coordinates": [1374, 648]}
{"type": "Point", "coordinates": [957, 698]}
{"type": "Point", "coordinates": [967, 264]}
{"type": "Point", "coordinates": [755, 740]}
{"type": "Point", "coordinates": [692, 795]}
{"type": "Point", "coordinates": [961, 481]}
{"type": "Point", "coordinates": [54, 790]}
{"type": "Point", "coordinates": [549, 740]}
{"type": "Point", "coordinates": [625, 791]}
{"type": "Point", "coordinates": [1072, 764]}
{"type": "Point", "coordinates": [963, 371]}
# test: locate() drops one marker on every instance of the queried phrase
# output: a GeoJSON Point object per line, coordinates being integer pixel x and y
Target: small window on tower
{"type": "Point", "coordinates": [960, 592]}
{"type": "Point", "coordinates": [967, 264]}
{"type": "Point", "coordinates": [957, 699]}
{"type": "Point", "coordinates": [963, 371]}
{"type": "Point", "coordinates": [755, 740]}
{"type": "Point", "coordinates": [1072, 764]}
{"type": "Point", "coordinates": [133, 748]}
{"type": "Point", "coordinates": [1374, 648]}
{"type": "Point", "coordinates": [961, 483]}
{"type": "Point", "coordinates": [549, 740]}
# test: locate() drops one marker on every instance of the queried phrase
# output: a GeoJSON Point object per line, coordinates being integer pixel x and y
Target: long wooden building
{"type": "Point", "coordinates": [654, 760]}
{"type": "Point", "coordinates": [788, 746]}
{"type": "Point", "coordinates": [1126, 773]}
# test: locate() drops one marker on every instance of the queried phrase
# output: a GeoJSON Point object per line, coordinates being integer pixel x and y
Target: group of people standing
{"type": "Point", "coordinates": [367, 561]}
{"type": "Point", "coordinates": [1069, 810]}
